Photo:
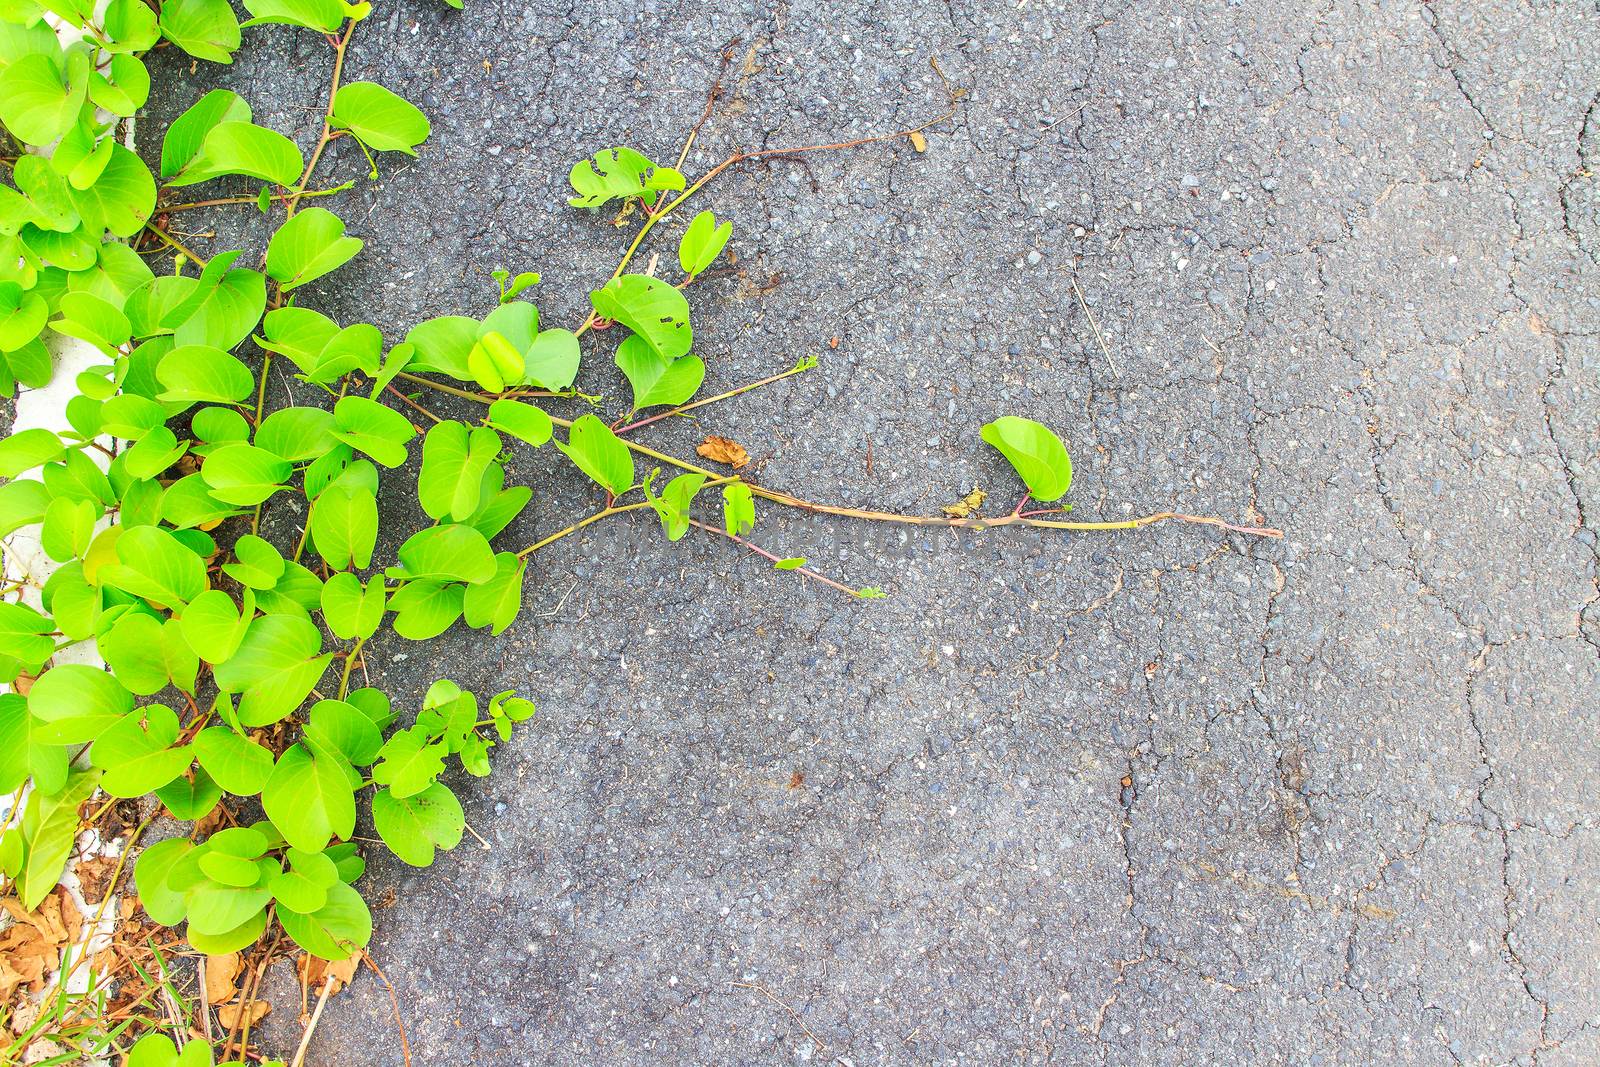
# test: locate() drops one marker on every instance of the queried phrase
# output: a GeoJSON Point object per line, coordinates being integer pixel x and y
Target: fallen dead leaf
{"type": "Point", "coordinates": [723, 450]}
{"type": "Point", "coordinates": [919, 142]}
{"type": "Point", "coordinates": [967, 506]}
{"type": "Point", "coordinates": [222, 974]}
{"type": "Point", "coordinates": [314, 972]}
{"type": "Point", "coordinates": [232, 1015]}
{"type": "Point", "coordinates": [94, 876]}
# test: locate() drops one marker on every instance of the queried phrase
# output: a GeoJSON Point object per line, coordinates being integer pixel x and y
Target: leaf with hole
{"type": "Point", "coordinates": [738, 508]}
{"type": "Point", "coordinates": [618, 173]}
{"type": "Point", "coordinates": [672, 506]}
{"type": "Point", "coordinates": [650, 308]}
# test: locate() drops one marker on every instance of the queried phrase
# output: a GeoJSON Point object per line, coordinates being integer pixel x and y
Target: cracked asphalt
{"type": "Point", "coordinates": [1166, 797]}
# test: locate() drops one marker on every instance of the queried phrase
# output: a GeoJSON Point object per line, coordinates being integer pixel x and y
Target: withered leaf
{"type": "Point", "coordinates": [314, 972]}
{"type": "Point", "coordinates": [222, 972]}
{"type": "Point", "coordinates": [967, 506]}
{"type": "Point", "coordinates": [232, 1015]}
{"type": "Point", "coordinates": [919, 142]}
{"type": "Point", "coordinates": [723, 450]}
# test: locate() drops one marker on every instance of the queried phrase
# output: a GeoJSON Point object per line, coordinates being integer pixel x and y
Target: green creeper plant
{"type": "Point", "coordinates": [230, 658]}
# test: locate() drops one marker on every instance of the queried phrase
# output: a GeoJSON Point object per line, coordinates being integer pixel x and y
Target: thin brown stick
{"type": "Point", "coordinates": [316, 1016]}
{"type": "Point", "coordinates": [764, 991]}
{"type": "Point", "coordinates": [712, 97]}
{"type": "Point", "coordinates": [223, 200]}
{"type": "Point", "coordinates": [1095, 326]}
{"type": "Point", "coordinates": [413, 403]}
{"type": "Point", "coordinates": [394, 1002]}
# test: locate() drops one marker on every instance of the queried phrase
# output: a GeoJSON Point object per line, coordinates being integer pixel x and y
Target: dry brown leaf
{"type": "Point", "coordinates": [967, 506]}
{"type": "Point", "coordinates": [723, 450]}
{"type": "Point", "coordinates": [232, 1015]}
{"type": "Point", "coordinates": [94, 876]}
{"type": "Point", "coordinates": [919, 142]}
{"type": "Point", "coordinates": [315, 972]}
{"type": "Point", "coordinates": [222, 972]}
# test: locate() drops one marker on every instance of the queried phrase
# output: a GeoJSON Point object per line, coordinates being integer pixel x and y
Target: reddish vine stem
{"type": "Point", "coordinates": [758, 550]}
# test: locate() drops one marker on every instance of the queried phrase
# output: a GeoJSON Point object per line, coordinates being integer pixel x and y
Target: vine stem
{"type": "Point", "coordinates": [349, 663]}
{"type": "Point", "coordinates": [176, 245]}
{"type": "Point", "coordinates": [603, 513]}
{"type": "Point", "coordinates": [681, 408]}
{"type": "Point", "coordinates": [758, 550]}
{"type": "Point", "coordinates": [327, 119]}
{"type": "Point", "coordinates": [220, 201]}
{"type": "Point", "coordinates": [790, 500]}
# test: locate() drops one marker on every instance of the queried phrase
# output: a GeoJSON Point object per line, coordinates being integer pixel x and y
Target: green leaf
{"type": "Point", "coordinates": [274, 669]}
{"type": "Point", "coordinates": [413, 827]}
{"type": "Point", "coordinates": [153, 453]}
{"type": "Point", "coordinates": [656, 380]}
{"type": "Point", "coordinates": [297, 434]}
{"type": "Point", "coordinates": [242, 936]}
{"type": "Point", "coordinates": [216, 908]}
{"type": "Point", "coordinates": [382, 120]}
{"type": "Point", "coordinates": [1038, 455]}
{"type": "Point", "coordinates": [243, 148]}
{"type": "Point", "coordinates": [49, 825]}
{"type": "Point", "coordinates": [238, 764]}
{"type": "Point", "coordinates": [521, 420]}
{"type": "Point", "coordinates": [303, 887]}
{"type": "Point", "coordinates": [40, 95]}
{"type": "Point", "coordinates": [351, 610]}
{"type": "Point", "coordinates": [188, 502]}
{"type": "Point", "coordinates": [453, 462]}
{"type": "Point", "coordinates": [137, 753]}
{"type": "Point", "coordinates": [122, 197]}
{"type": "Point", "coordinates": [551, 362]}
{"type": "Point", "coordinates": [702, 242]}
{"type": "Point", "coordinates": [22, 316]}
{"type": "Point", "coordinates": [91, 319]}
{"type": "Point", "coordinates": [409, 763]}
{"type": "Point", "coordinates": [672, 506]}
{"type": "Point", "coordinates": [424, 609]}
{"type": "Point", "coordinates": [27, 449]}
{"type": "Point", "coordinates": [337, 930]}
{"type": "Point", "coordinates": [345, 729]}
{"type": "Point", "coordinates": [154, 564]}
{"type": "Point", "coordinates": [600, 454]}
{"type": "Point", "coordinates": [201, 373]}
{"type": "Point", "coordinates": [135, 650]}
{"type": "Point", "coordinates": [188, 131]}
{"type": "Point", "coordinates": [213, 625]}
{"type": "Point", "coordinates": [617, 173]}
{"type": "Point", "coordinates": [323, 15]}
{"type": "Point", "coordinates": [259, 564]}
{"type": "Point", "coordinates": [191, 797]}
{"type": "Point", "coordinates": [308, 246]}
{"type": "Point", "coordinates": [738, 508]}
{"type": "Point", "coordinates": [125, 90]}
{"type": "Point", "coordinates": [369, 427]}
{"type": "Point", "coordinates": [443, 344]}
{"type": "Point", "coordinates": [24, 636]}
{"type": "Point", "coordinates": [495, 603]}
{"type": "Point", "coordinates": [130, 26]}
{"type": "Point", "coordinates": [650, 308]}
{"type": "Point", "coordinates": [164, 904]}
{"type": "Point", "coordinates": [206, 29]}
{"type": "Point", "coordinates": [24, 754]}
{"type": "Point", "coordinates": [453, 552]}
{"type": "Point", "coordinates": [68, 528]}
{"type": "Point", "coordinates": [245, 475]}
{"type": "Point", "coordinates": [344, 526]}
{"type": "Point", "coordinates": [309, 799]}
